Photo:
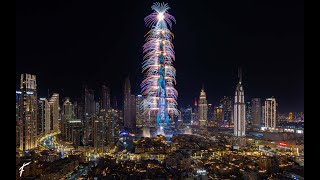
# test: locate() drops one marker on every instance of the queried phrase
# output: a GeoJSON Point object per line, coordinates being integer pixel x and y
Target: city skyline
{"type": "Point", "coordinates": [270, 56]}
{"type": "Point", "coordinates": [87, 111]}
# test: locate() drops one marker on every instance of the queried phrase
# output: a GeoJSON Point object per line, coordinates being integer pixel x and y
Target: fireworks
{"type": "Point", "coordinates": [158, 85]}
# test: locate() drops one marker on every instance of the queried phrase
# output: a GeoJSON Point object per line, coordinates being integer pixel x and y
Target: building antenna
{"type": "Point", "coordinates": [240, 75]}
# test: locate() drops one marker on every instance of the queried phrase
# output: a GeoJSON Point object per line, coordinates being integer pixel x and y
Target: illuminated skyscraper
{"type": "Point", "coordinates": [218, 116]}
{"type": "Point", "coordinates": [128, 105]}
{"type": "Point", "coordinates": [248, 114]}
{"type": "Point", "coordinates": [139, 111]}
{"type": "Point", "coordinates": [28, 108]}
{"type": "Point", "coordinates": [133, 111]}
{"type": "Point", "coordinates": [158, 86]}
{"type": "Point", "coordinates": [99, 134]}
{"type": "Point", "coordinates": [43, 116]}
{"type": "Point", "coordinates": [186, 114]}
{"type": "Point", "coordinates": [210, 113]}
{"type": "Point", "coordinates": [54, 112]}
{"type": "Point", "coordinates": [227, 105]}
{"type": "Point", "coordinates": [262, 115]}
{"type": "Point", "coordinates": [239, 110]}
{"type": "Point", "coordinates": [18, 122]}
{"type": "Point", "coordinates": [256, 112]}
{"type": "Point", "coordinates": [195, 114]}
{"type": "Point", "coordinates": [105, 101]}
{"type": "Point", "coordinates": [112, 125]}
{"type": "Point", "coordinates": [67, 115]}
{"type": "Point", "coordinates": [73, 132]}
{"type": "Point", "coordinates": [270, 113]}
{"type": "Point", "coordinates": [89, 113]}
{"type": "Point", "coordinates": [203, 109]}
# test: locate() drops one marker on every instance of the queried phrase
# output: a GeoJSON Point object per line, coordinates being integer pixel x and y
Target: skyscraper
{"type": "Point", "coordinates": [139, 111]}
{"type": "Point", "coordinates": [218, 116]}
{"type": "Point", "coordinates": [54, 112]}
{"type": "Point", "coordinates": [133, 111]}
{"type": "Point", "coordinates": [256, 112]}
{"type": "Point", "coordinates": [227, 105]}
{"type": "Point", "coordinates": [203, 109]}
{"type": "Point", "coordinates": [28, 108]}
{"type": "Point", "coordinates": [112, 125]}
{"type": "Point", "coordinates": [186, 114]}
{"type": "Point", "coordinates": [270, 113]}
{"type": "Point", "coordinates": [127, 105]}
{"type": "Point", "coordinates": [262, 115]}
{"type": "Point", "coordinates": [43, 116]}
{"type": "Point", "coordinates": [18, 122]}
{"type": "Point", "coordinates": [105, 101]}
{"type": "Point", "coordinates": [73, 131]}
{"type": "Point", "coordinates": [158, 86]}
{"type": "Point", "coordinates": [239, 110]}
{"type": "Point", "coordinates": [67, 115]}
{"type": "Point", "coordinates": [99, 134]}
{"type": "Point", "coordinates": [195, 114]}
{"type": "Point", "coordinates": [248, 114]}
{"type": "Point", "coordinates": [210, 113]}
{"type": "Point", "coordinates": [89, 112]}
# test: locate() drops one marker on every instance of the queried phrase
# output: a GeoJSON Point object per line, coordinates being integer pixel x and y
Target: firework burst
{"type": "Point", "coordinates": [158, 84]}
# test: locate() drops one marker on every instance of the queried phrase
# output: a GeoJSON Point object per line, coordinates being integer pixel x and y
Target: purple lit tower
{"type": "Point", "coordinates": [158, 85]}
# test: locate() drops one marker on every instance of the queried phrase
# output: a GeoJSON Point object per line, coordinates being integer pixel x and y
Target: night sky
{"type": "Point", "coordinates": [68, 43]}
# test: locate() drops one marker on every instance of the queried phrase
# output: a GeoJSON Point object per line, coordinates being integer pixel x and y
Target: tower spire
{"type": "Point", "coordinates": [240, 75]}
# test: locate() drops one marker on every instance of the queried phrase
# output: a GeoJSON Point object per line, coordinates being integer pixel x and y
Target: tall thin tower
{"type": "Point", "coordinates": [158, 86]}
{"type": "Point", "coordinates": [239, 110]}
{"type": "Point", "coordinates": [203, 109]}
{"type": "Point", "coordinates": [28, 108]}
{"type": "Point", "coordinates": [105, 102]}
{"type": "Point", "coordinates": [127, 105]}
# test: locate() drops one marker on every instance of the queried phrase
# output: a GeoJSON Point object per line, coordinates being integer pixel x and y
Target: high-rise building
{"type": "Point", "coordinates": [256, 112]}
{"type": "Point", "coordinates": [89, 113]}
{"type": "Point", "coordinates": [218, 116]}
{"type": "Point", "coordinates": [203, 109]}
{"type": "Point", "coordinates": [99, 134]}
{"type": "Point", "coordinates": [105, 101]}
{"type": "Point", "coordinates": [227, 105]}
{"type": "Point", "coordinates": [270, 113]}
{"type": "Point", "coordinates": [89, 102]}
{"type": "Point", "coordinates": [262, 115]}
{"type": "Point", "coordinates": [67, 115]}
{"type": "Point", "coordinates": [239, 110]}
{"type": "Point", "coordinates": [73, 132]}
{"type": "Point", "coordinates": [133, 111]}
{"type": "Point", "coordinates": [195, 114]}
{"type": "Point", "coordinates": [112, 126]}
{"type": "Point", "coordinates": [158, 86]}
{"type": "Point", "coordinates": [18, 122]}
{"type": "Point", "coordinates": [127, 109]}
{"type": "Point", "coordinates": [28, 108]}
{"type": "Point", "coordinates": [186, 114]}
{"type": "Point", "coordinates": [139, 111]}
{"type": "Point", "coordinates": [210, 113]}
{"type": "Point", "coordinates": [43, 116]}
{"type": "Point", "coordinates": [248, 114]}
{"type": "Point", "coordinates": [54, 112]}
